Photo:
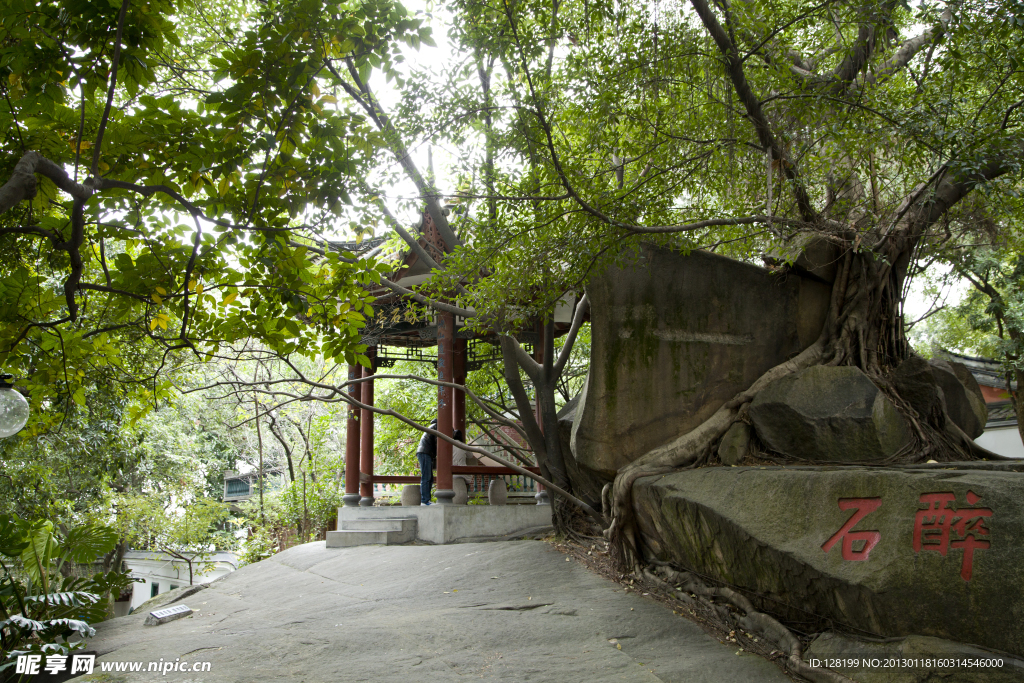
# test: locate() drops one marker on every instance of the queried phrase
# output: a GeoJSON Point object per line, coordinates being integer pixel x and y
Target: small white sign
{"type": "Point", "coordinates": [170, 611]}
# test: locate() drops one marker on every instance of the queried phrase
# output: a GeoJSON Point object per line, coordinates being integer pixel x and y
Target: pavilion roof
{"type": "Point", "coordinates": [399, 324]}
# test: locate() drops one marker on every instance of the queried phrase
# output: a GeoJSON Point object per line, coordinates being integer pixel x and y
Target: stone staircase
{"type": "Point", "coordinates": [372, 531]}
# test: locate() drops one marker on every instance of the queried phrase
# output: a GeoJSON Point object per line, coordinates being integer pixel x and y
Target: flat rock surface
{"type": "Point", "coordinates": [512, 611]}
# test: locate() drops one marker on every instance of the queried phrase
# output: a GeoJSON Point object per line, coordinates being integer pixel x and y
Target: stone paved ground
{"type": "Point", "coordinates": [513, 611]}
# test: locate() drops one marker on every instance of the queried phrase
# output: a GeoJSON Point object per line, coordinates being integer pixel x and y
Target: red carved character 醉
{"type": "Point", "coordinates": [942, 520]}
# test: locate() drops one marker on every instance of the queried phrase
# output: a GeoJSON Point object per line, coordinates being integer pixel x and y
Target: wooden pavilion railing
{"type": "Point", "coordinates": [456, 469]}
{"type": "Point", "coordinates": [479, 478]}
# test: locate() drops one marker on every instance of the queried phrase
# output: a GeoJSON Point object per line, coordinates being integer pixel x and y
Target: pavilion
{"type": "Point", "coordinates": [393, 335]}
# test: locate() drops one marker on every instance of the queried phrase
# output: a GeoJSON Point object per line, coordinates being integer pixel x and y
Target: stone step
{"type": "Point", "coordinates": [372, 531]}
{"type": "Point", "coordinates": [345, 539]}
{"type": "Point", "coordinates": [396, 524]}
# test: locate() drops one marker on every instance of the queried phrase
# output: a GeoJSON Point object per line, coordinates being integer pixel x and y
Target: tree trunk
{"type": "Point", "coordinates": [1018, 401]}
{"type": "Point", "coordinates": [543, 437]}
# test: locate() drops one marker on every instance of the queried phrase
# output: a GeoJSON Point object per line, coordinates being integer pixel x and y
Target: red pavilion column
{"type": "Point", "coordinates": [459, 397]}
{"type": "Point", "coordinates": [445, 336]}
{"type": "Point", "coordinates": [366, 435]}
{"type": "Point", "coordinates": [351, 497]}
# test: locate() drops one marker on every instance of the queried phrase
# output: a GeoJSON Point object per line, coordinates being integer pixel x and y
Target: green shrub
{"type": "Point", "coordinates": [39, 607]}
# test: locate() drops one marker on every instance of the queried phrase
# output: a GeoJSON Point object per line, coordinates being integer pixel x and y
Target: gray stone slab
{"type": "Point", "coordinates": [512, 611]}
{"type": "Point", "coordinates": [457, 523]}
{"type": "Point", "coordinates": [673, 338]}
{"type": "Point", "coordinates": [367, 531]}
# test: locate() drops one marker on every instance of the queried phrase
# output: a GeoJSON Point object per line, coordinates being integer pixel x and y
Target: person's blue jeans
{"type": "Point", "coordinates": [426, 476]}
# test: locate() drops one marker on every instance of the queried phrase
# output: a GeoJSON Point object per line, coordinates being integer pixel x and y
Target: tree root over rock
{"type": "Point", "coordinates": [751, 621]}
{"type": "Point", "coordinates": [688, 451]}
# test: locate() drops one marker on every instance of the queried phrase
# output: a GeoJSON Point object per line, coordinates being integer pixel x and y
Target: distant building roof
{"type": "Point", "coordinates": [399, 327]}
{"type": "Point", "coordinates": [239, 486]}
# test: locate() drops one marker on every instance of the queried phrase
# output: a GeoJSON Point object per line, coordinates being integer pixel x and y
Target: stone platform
{"type": "Point", "coordinates": [879, 551]}
{"type": "Point", "coordinates": [441, 524]}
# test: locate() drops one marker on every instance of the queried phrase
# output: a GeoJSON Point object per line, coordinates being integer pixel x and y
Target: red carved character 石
{"type": "Point", "coordinates": [863, 507]}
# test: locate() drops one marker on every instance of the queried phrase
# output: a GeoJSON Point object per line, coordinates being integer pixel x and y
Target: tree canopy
{"type": "Point", "coordinates": [194, 177]}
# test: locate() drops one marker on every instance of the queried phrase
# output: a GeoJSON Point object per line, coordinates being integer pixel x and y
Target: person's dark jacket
{"type": "Point", "coordinates": [428, 445]}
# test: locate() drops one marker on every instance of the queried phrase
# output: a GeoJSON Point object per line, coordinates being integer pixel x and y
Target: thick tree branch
{"type": "Point", "coordinates": [512, 358]}
{"type": "Point", "coordinates": [433, 303]}
{"type": "Point", "coordinates": [23, 185]}
{"type": "Point", "coordinates": [33, 230]}
{"type": "Point", "coordinates": [570, 338]}
{"type": "Point", "coordinates": [113, 290]}
{"type": "Point", "coordinates": [734, 65]}
{"type": "Point", "coordinates": [115, 62]}
{"type": "Point", "coordinates": [905, 53]}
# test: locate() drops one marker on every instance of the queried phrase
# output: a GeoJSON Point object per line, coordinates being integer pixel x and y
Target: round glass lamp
{"type": "Point", "coordinates": [13, 408]}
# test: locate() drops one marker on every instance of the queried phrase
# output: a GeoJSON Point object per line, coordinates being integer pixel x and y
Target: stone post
{"type": "Point", "coordinates": [445, 336]}
{"type": "Point", "coordinates": [366, 435]}
{"type": "Point", "coordinates": [351, 497]}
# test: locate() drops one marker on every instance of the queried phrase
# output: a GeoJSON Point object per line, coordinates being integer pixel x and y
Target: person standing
{"type": "Point", "coordinates": [426, 453]}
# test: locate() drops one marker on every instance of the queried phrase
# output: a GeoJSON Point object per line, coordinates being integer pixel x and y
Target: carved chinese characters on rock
{"type": "Point", "coordinates": [943, 524]}
{"type": "Point", "coordinates": [940, 525]}
{"type": "Point", "coordinates": [866, 539]}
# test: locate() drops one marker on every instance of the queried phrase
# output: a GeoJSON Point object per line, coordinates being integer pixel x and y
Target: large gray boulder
{"type": "Point", "coordinates": [735, 444]}
{"type": "Point", "coordinates": [940, 386]}
{"type": "Point", "coordinates": [673, 338]}
{"type": "Point", "coordinates": [914, 379]}
{"type": "Point", "coordinates": [880, 550]}
{"type": "Point", "coordinates": [829, 414]}
{"type": "Point", "coordinates": [962, 396]}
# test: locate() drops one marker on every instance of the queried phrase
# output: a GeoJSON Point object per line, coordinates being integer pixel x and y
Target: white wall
{"type": "Point", "coordinates": [167, 573]}
{"type": "Point", "coordinates": [1002, 440]}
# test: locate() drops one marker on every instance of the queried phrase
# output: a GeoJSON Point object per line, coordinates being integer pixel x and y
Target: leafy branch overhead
{"type": "Point", "coordinates": [174, 176]}
{"type": "Point", "coordinates": [169, 173]}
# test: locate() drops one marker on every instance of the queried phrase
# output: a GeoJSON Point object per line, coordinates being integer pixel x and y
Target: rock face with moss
{"type": "Point", "coordinates": [830, 414]}
{"type": "Point", "coordinates": [884, 551]}
{"type": "Point", "coordinates": [673, 338]}
{"type": "Point", "coordinates": [936, 385]}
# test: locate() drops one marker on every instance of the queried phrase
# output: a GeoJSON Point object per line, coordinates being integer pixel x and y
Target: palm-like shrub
{"type": "Point", "coordinates": [40, 607]}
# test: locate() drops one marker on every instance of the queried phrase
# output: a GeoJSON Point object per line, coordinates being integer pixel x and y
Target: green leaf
{"type": "Point", "coordinates": [40, 552]}
{"type": "Point", "coordinates": [13, 536]}
{"type": "Point", "coordinates": [87, 543]}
